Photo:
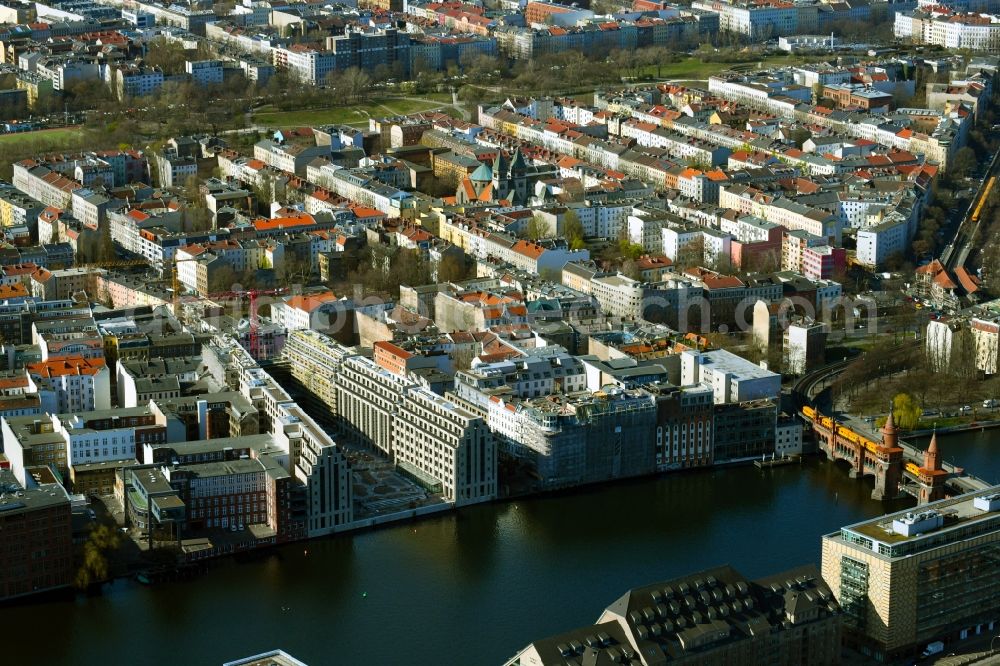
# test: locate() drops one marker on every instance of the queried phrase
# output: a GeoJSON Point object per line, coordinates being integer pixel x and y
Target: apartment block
{"type": "Point", "coordinates": [446, 447]}
{"type": "Point", "coordinates": [72, 384]}
{"type": "Point", "coordinates": [369, 398]}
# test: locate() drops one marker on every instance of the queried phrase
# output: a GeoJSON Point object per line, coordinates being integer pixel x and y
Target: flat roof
{"type": "Point", "coordinates": [259, 441]}
{"type": "Point", "coordinates": [960, 518]}
{"type": "Point", "coordinates": [272, 658]}
{"type": "Point", "coordinates": [223, 467]}
{"type": "Point", "coordinates": [15, 499]}
{"type": "Point", "coordinates": [725, 361]}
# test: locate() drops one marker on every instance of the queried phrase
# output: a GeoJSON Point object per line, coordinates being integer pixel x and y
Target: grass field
{"type": "Point", "coordinates": [44, 140]}
{"type": "Point", "coordinates": [694, 69]}
{"type": "Point", "coordinates": [349, 115]}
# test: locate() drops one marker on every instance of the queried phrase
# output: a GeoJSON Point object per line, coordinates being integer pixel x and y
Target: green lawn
{"type": "Point", "coordinates": [694, 69]}
{"type": "Point", "coordinates": [350, 115]}
{"type": "Point", "coordinates": [42, 141]}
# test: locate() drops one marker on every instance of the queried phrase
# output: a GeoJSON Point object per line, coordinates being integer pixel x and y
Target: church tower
{"type": "Point", "coordinates": [518, 176]}
{"type": "Point", "coordinates": [501, 176]}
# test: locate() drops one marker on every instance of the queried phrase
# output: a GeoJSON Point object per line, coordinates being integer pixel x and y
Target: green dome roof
{"type": "Point", "coordinates": [482, 174]}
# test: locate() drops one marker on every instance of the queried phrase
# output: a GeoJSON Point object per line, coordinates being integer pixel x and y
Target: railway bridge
{"type": "Point", "coordinates": [896, 467]}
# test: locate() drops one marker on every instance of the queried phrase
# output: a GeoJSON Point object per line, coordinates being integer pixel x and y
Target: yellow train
{"type": "Point", "coordinates": [982, 200]}
{"type": "Point", "coordinates": [843, 431]}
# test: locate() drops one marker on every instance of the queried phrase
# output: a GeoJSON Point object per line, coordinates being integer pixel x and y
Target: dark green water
{"type": "Point", "coordinates": [467, 588]}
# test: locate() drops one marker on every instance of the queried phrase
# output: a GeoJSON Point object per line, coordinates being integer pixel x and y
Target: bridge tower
{"type": "Point", "coordinates": [888, 462]}
{"type": "Point", "coordinates": [890, 435]}
{"type": "Point", "coordinates": [931, 477]}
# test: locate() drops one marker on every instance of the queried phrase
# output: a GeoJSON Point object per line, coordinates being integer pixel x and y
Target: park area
{"type": "Point", "coordinates": [357, 115]}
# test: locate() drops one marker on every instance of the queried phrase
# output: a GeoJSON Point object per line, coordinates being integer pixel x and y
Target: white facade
{"type": "Point", "coordinates": [986, 335]}
{"type": "Point", "coordinates": [731, 377]}
{"type": "Point", "coordinates": [448, 444]}
{"type": "Point", "coordinates": [65, 391]}
{"type": "Point", "coordinates": [878, 243]}
{"type": "Point", "coordinates": [85, 445]}
{"type": "Point", "coordinates": [204, 72]}
{"type": "Point", "coordinates": [787, 438]}
{"type": "Point", "coordinates": [368, 399]}
{"type": "Point", "coordinates": [938, 342]}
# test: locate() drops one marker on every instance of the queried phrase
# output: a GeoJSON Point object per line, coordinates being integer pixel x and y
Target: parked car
{"type": "Point", "coordinates": [991, 403]}
{"type": "Point", "coordinates": [966, 409]}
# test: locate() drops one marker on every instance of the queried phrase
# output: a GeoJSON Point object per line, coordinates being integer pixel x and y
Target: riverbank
{"type": "Point", "coordinates": [432, 582]}
{"type": "Point", "coordinates": [974, 426]}
{"type": "Point", "coordinates": [140, 562]}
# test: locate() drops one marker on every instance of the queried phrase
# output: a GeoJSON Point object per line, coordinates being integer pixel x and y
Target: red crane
{"type": "Point", "coordinates": [254, 317]}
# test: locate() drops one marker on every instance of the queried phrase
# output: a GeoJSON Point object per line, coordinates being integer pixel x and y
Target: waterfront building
{"type": "Point", "coordinates": [744, 430]}
{"type": "Point", "coordinates": [325, 472]}
{"type": "Point", "coordinates": [441, 444]}
{"type": "Point", "coordinates": [36, 551]}
{"type": "Point", "coordinates": [368, 400]}
{"type": "Point", "coordinates": [272, 658]}
{"type": "Point", "coordinates": [716, 616]}
{"type": "Point", "coordinates": [684, 419]}
{"type": "Point", "coordinates": [578, 439]}
{"type": "Point", "coordinates": [912, 577]}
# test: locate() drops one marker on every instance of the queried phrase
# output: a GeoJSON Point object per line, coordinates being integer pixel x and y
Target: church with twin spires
{"type": "Point", "coordinates": [510, 181]}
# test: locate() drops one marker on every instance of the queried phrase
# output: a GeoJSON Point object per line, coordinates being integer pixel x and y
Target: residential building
{"type": "Point", "coordinates": [368, 400]}
{"type": "Point", "coordinates": [446, 447]}
{"type": "Point", "coordinates": [315, 360]}
{"type": "Point", "coordinates": [986, 341]}
{"type": "Point", "coordinates": [804, 346]}
{"type": "Point", "coordinates": [204, 72]}
{"type": "Point", "coordinates": [72, 384]}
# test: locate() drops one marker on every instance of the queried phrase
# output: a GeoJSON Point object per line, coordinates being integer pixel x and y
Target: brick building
{"type": "Point", "coordinates": [36, 551]}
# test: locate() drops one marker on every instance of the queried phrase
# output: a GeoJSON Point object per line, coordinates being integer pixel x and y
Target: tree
{"type": "Point", "coordinates": [906, 411]}
{"type": "Point", "coordinates": [573, 230]}
{"type": "Point", "coordinates": [222, 279]}
{"type": "Point", "coordinates": [963, 163]}
{"type": "Point", "coordinates": [296, 269]}
{"type": "Point", "coordinates": [537, 228]}
{"type": "Point", "coordinates": [691, 253]}
{"type": "Point", "coordinates": [166, 54]}
{"type": "Point", "coordinates": [963, 361]}
{"type": "Point", "coordinates": [451, 269]}
{"type": "Point", "coordinates": [94, 568]}
{"type": "Point", "coordinates": [356, 83]}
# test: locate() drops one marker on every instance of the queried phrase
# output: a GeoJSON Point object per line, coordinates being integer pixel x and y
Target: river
{"type": "Point", "coordinates": [470, 587]}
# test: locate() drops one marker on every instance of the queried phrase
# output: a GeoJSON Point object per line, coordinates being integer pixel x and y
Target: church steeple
{"type": "Point", "coordinates": [500, 165]}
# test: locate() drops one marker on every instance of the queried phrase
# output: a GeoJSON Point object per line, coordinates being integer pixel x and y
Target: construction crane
{"type": "Point", "coordinates": [252, 294]}
{"type": "Point", "coordinates": [254, 318]}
